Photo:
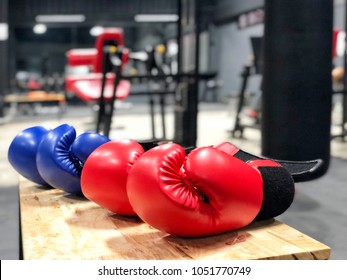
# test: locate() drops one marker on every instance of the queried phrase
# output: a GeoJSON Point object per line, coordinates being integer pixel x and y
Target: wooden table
{"type": "Point", "coordinates": [55, 225]}
{"type": "Point", "coordinates": [35, 97]}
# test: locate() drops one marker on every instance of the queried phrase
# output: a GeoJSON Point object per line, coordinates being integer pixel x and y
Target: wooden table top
{"type": "Point", "coordinates": [35, 96]}
{"type": "Point", "coordinates": [56, 225]}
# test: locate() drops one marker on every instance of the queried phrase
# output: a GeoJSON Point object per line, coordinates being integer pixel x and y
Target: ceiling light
{"type": "Point", "coordinates": [3, 31]}
{"type": "Point", "coordinates": [60, 18]}
{"type": "Point", "coordinates": [96, 30]}
{"type": "Point", "coordinates": [156, 18]}
{"type": "Point", "coordinates": [39, 28]}
{"type": "Point", "coordinates": [341, 43]}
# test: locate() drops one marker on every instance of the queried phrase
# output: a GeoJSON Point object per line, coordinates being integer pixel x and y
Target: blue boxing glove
{"type": "Point", "coordinates": [22, 153]}
{"type": "Point", "coordinates": [85, 144]}
{"type": "Point", "coordinates": [60, 157]}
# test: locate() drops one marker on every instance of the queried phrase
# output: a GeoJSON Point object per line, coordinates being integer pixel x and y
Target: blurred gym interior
{"type": "Point", "coordinates": [194, 72]}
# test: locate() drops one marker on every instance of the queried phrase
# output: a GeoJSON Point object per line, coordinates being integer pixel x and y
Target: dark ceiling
{"type": "Point", "coordinates": [27, 47]}
{"type": "Point", "coordinates": [23, 12]}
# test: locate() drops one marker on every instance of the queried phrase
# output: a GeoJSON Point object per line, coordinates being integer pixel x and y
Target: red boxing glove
{"type": "Point", "coordinates": [105, 173]}
{"type": "Point", "coordinates": [204, 193]}
{"type": "Point", "coordinates": [278, 181]}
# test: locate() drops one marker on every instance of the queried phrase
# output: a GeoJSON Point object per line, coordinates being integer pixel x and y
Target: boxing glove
{"type": "Point", "coordinates": [279, 178]}
{"type": "Point", "coordinates": [105, 174]}
{"type": "Point", "coordinates": [278, 183]}
{"type": "Point", "coordinates": [22, 153]}
{"type": "Point", "coordinates": [60, 161]}
{"type": "Point", "coordinates": [203, 193]}
{"type": "Point", "coordinates": [301, 171]}
{"type": "Point", "coordinates": [85, 144]}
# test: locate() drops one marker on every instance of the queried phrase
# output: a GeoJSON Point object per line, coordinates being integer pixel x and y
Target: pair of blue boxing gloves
{"type": "Point", "coordinates": [53, 157]}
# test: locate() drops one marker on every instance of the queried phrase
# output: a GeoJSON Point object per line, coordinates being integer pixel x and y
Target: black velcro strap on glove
{"type": "Point", "coordinates": [300, 170]}
{"type": "Point", "coordinates": [279, 190]}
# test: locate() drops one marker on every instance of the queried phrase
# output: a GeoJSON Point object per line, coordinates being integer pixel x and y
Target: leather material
{"type": "Point", "coordinates": [278, 183]}
{"type": "Point", "coordinates": [22, 153]}
{"type": "Point", "coordinates": [228, 148]}
{"type": "Point", "coordinates": [300, 171]}
{"type": "Point", "coordinates": [204, 193]}
{"type": "Point", "coordinates": [86, 143]}
{"type": "Point", "coordinates": [57, 165]}
{"type": "Point", "coordinates": [264, 162]}
{"type": "Point", "coordinates": [105, 174]}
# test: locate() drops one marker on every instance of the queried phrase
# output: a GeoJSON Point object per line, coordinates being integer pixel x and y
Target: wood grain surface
{"type": "Point", "coordinates": [56, 225]}
{"type": "Point", "coordinates": [35, 96]}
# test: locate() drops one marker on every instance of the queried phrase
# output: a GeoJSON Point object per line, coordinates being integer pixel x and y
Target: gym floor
{"type": "Point", "coordinates": [318, 210]}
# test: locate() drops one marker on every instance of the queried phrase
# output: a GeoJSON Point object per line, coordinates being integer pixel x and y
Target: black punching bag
{"type": "Point", "coordinates": [297, 87]}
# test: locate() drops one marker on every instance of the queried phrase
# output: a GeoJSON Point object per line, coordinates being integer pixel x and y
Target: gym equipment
{"type": "Point", "coordinates": [33, 102]}
{"type": "Point", "coordinates": [340, 74]}
{"type": "Point", "coordinates": [60, 156]}
{"type": "Point", "coordinates": [22, 153]}
{"type": "Point", "coordinates": [108, 78]}
{"type": "Point", "coordinates": [159, 81]}
{"type": "Point", "coordinates": [104, 84]}
{"type": "Point", "coordinates": [104, 175]}
{"type": "Point", "coordinates": [56, 157]}
{"type": "Point", "coordinates": [253, 68]}
{"type": "Point", "coordinates": [202, 184]}
{"type": "Point", "coordinates": [296, 96]}
{"type": "Point", "coordinates": [88, 87]}
{"type": "Point", "coordinates": [212, 189]}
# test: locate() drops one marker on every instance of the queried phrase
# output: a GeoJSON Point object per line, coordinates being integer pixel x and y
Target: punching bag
{"type": "Point", "coordinates": [297, 86]}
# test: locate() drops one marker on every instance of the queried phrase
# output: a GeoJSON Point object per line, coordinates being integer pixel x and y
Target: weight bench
{"type": "Point", "coordinates": [37, 97]}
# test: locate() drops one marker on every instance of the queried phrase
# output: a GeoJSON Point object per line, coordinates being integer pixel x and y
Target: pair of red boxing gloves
{"type": "Point", "coordinates": [193, 191]}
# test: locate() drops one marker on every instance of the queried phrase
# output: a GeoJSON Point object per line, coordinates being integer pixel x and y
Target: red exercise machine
{"type": "Point", "coordinates": [104, 83]}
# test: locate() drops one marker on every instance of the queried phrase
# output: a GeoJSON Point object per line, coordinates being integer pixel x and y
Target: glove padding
{"type": "Point", "coordinates": [204, 193]}
{"type": "Point", "coordinates": [22, 153]}
{"type": "Point", "coordinates": [105, 174]}
{"type": "Point", "coordinates": [212, 189]}
{"type": "Point", "coordinates": [278, 182]}
{"type": "Point", "coordinates": [60, 160]}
